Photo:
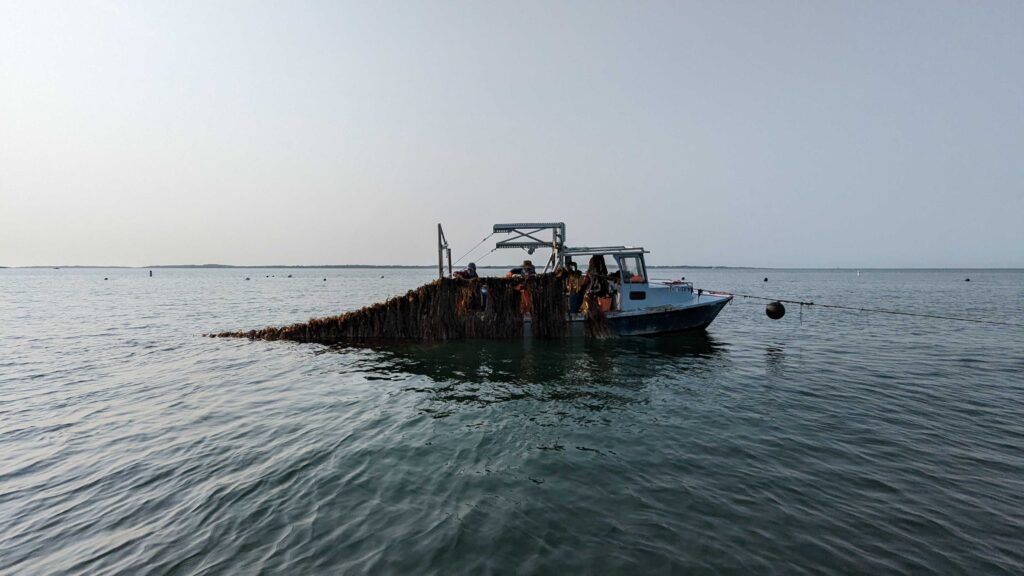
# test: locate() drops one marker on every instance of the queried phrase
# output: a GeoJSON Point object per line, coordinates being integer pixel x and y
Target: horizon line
{"type": "Point", "coordinates": [489, 266]}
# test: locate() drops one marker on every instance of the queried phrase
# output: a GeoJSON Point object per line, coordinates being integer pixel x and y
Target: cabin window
{"type": "Point", "coordinates": [632, 269]}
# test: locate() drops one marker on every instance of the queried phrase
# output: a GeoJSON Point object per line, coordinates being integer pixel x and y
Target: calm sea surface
{"type": "Point", "coordinates": [827, 442]}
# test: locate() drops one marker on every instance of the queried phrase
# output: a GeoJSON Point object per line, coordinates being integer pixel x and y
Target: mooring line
{"type": "Point", "coordinates": [875, 310]}
{"type": "Point", "coordinates": [473, 248]}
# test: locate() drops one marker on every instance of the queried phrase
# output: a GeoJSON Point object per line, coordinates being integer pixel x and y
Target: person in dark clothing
{"type": "Point", "coordinates": [480, 301]}
{"type": "Point", "coordinates": [526, 269]}
{"type": "Point", "coordinates": [469, 273]}
{"type": "Point", "coordinates": [596, 279]}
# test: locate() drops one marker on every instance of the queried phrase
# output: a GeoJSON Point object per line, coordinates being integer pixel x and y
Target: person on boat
{"type": "Point", "coordinates": [596, 279]}
{"type": "Point", "coordinates": [573, 279]}
{"type": "Point", "coordinates": [525, 270]}
{"type": "Point", "coordinates": [469, 273]}
{"type": "Point", "coordinates": [595, 287]}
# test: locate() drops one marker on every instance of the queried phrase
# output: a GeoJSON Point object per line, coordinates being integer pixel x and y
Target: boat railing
{"type": "Point", "coordinates": [677, 284]}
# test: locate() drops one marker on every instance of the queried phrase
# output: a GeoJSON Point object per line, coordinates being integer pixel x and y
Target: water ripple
{"type": "Point", "coordinates": [827, 443]}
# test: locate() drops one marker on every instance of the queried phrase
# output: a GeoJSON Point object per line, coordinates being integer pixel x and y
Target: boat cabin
{"type": "Point", "coordinates": [633, 304]}
{"type": "Point", "coordinates": [627, 272]}
{"type": "Point", "coordinates": [631, 286]}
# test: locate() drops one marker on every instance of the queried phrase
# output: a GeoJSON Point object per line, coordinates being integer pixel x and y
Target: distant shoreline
{"type": "Point", "coordinates": [434, 267]}
{"type": "Point", "coordinates": [327, 266]}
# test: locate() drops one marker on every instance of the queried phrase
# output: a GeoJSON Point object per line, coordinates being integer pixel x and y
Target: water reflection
{"type": "Point", "coordinates": [775, 357]}
{"type": "Point", "coordinates": [595, 375]}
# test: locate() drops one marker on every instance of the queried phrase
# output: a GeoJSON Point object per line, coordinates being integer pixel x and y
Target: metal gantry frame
{"type": "Point", "coordinates": [526, 236]}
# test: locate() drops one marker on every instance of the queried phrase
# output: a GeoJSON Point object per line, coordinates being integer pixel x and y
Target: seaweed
{"type": "Point", "coordinates": [445, 309]}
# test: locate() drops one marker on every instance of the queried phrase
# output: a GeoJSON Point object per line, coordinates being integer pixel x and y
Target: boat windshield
{"type": "Point", "coordinates": [632, 269]}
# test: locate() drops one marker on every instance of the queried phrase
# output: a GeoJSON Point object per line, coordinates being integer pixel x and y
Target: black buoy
{"type": "Point", "coordinates": [765, 278]}
{"type": "Point", "coordinates": [150, 273]}
{"type": "Point", "coordinates": [106, 278]}
{"type": "Point", "coordinates": [775, 310]}
{"type": "Point", "coordinates": [325, 279]}
{"type": "Point", "coordinates": [967, 280]}
{"type": "Point", "coordinates": [246, 277]}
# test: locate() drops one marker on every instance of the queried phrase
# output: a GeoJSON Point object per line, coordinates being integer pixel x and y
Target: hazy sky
{"type": "Point", "coordinates": [811, 133]}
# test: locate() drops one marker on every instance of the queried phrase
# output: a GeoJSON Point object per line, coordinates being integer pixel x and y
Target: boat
{"type": "Point", "coordinates": [615, 298]}
{"type": "Point", "coordinates": [635, 304]}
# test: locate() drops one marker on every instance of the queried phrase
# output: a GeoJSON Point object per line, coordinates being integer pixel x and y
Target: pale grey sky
{"type": "Point", "coordinates": [812, 133]}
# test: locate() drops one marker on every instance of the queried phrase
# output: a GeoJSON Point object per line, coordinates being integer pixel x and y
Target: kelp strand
{"type": "Point", "coordinates": [446, 309]}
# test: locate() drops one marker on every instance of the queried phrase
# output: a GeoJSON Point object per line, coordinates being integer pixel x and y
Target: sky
{"type": "Point", "coordinates": [784, 134]}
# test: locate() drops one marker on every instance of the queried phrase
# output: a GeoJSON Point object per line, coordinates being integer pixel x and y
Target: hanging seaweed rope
{"type": "Point", "coordinates": [548, 307]}
{"type": "Point", "coordinates": [445, 309]}
{"type": "Point", "coordinates": [595, 322]}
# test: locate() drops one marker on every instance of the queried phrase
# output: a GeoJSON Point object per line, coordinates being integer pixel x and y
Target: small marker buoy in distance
{"type": "Point", "coordinates": [967, 279]}
{"type": "Point", "coordinates": [765, 278]}
{"type": "Point", "coordinates": [246, 277]}
{"type": "Point", "coordinates": [775, 310]}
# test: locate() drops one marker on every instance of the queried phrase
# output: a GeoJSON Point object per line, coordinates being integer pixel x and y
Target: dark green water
{"type": "Point", "coordinates": [827, 442]}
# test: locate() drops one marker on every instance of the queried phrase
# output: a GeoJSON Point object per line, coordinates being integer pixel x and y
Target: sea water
{"type": "Point", "coordinates": [826, 442]}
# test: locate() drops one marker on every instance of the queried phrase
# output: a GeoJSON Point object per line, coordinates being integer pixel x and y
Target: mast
{"type": "Point", "coordinates": [443, 250]}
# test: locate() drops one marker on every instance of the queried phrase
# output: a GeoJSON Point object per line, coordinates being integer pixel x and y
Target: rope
{"type": "Point", "coordinates": [876, 310]}
{"type": "Point", "coordinates": [481, 259]}
{"type": "Point", "coordinates": [474, 248]}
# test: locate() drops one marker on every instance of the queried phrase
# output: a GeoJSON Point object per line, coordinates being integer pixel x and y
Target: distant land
{"type": "Point", "coordinates": [365, 266]}
{"type": "Point", "coordinates": [482, 266]}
